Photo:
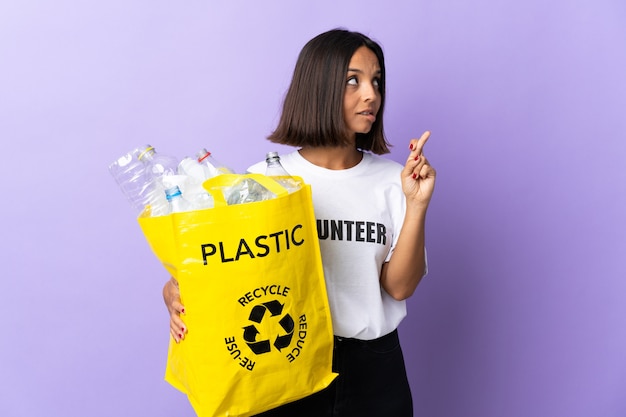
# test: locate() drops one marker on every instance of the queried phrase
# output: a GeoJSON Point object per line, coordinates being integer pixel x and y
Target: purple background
{"type": "Point", "coordinates": [523, 313]}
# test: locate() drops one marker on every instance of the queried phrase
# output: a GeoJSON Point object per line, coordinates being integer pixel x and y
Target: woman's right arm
{"type": "Point", "coordinates": [171, 296]}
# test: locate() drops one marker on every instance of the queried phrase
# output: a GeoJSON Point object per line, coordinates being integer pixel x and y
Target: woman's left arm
{"type": "Point", "coordinates": [404, 271]}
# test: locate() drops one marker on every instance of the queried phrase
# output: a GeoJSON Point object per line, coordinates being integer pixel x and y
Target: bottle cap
{"type": "Point", "coordinates": [271, 155]}
{"type": "Point", "coordinates": [202, 154]}
{"type": "Point", "coordinates": [147, 150]}
{"type": "Point", "coordinates": [172, 192]}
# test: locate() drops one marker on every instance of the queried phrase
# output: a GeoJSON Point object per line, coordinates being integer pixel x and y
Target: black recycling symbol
{"type": "Point", "coordinates": [256, 315]}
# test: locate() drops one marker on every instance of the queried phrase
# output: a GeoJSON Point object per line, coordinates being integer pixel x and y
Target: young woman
{"type": "Point", "coordinates": [370, 214]}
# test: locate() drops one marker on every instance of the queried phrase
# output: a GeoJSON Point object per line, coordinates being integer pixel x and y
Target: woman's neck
{"type": "Point", "coordinates": [335, 157]}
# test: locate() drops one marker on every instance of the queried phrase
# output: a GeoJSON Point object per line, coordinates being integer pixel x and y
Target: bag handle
{"type": "Point", "coordinates": [214, 185]}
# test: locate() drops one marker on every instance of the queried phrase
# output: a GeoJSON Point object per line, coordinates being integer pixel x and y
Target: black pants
{"type": "Point", "coordinates": [372, 382]}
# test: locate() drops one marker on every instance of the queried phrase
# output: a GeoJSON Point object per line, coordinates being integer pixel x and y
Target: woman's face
{"type": "Point", "coordinates": [361, 101]}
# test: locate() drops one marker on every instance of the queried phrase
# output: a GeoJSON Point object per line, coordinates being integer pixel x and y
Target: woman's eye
{"type": "Point", "coordinates": [376, 83]}
{"type": "Point", "coordinates": [352, 81]}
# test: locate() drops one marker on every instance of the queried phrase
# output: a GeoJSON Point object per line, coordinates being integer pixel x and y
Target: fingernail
{"type": "Point", "coordinates": [182, 310]}
{"type": "Point", "coordinates": [180, 336]}
{"type": "Point", "coordinates": [182, 329]}
{"type": "Point", "coordinates": [417, 157]}
{"type": "Point", "coordinates": [414, 175]}
{"type": "Point", "coordinates": [411, 146]}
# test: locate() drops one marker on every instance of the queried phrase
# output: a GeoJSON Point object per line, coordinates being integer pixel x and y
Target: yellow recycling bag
{"type": "Point", "coordinates": [251, 280]}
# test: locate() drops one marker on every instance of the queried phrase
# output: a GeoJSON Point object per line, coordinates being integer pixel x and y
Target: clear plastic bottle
{"type": "Point", "coordinates": [276, 170]}
{"type": "Point", "coordinates": [192, 188]}
{"type": "Point", "coordinates": [211, 166]}
{"type": "Point", "coordinates": [191, 168]}
{"type": "Point", "coordinates": [163, 170]}
{"type": "Point", "coordinates": [159, 166]}
{"type": "Point", "coordinates": [175, 201]}
{"type": "Point", "coordinates": [132, 177]}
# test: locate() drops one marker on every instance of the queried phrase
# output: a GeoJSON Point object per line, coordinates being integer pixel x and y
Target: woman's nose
{"type": "Point", "coordinates": [369, 91]}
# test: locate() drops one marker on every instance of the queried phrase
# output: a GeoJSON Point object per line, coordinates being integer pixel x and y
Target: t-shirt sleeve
{"type": "Point", "coordinates": [258, 168]}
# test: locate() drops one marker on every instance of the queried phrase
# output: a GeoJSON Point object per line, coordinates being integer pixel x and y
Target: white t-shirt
{"type": "Point", "coordinates": [359, 214]}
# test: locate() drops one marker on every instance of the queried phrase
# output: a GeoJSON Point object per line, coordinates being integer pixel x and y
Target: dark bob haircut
{"type": "Point", "coordinates": [313, 107]}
